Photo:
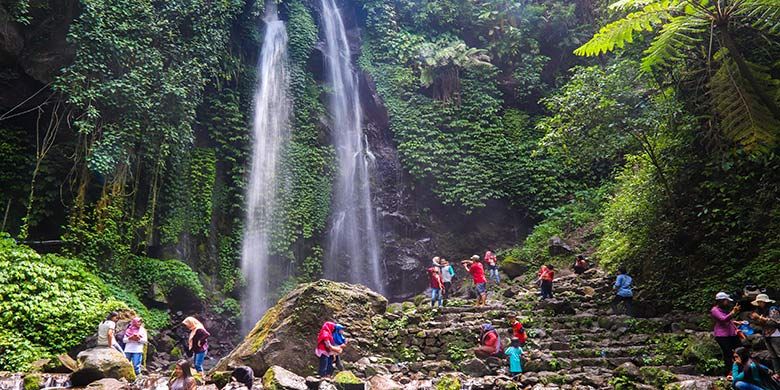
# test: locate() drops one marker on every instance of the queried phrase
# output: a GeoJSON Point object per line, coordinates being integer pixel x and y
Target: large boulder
{"type": "Point", "coordinates": [99, 363]}
{"type": "Point", "coordinates": [287, 334]}
{"type": "Point", "coordinates": [513, 268]}
{"type": "Point", "coordinates": [277, 378]}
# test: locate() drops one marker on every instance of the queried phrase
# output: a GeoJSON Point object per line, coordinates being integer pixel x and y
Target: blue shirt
{"type": "Point", "coordinates": [515, 362]}
{"type": "Point", "coordinates": [623, 286]}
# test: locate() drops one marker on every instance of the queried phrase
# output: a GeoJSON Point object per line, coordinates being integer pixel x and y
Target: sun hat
{"type": "Point", "coordinates": [722, 295]}
{"type": "Point", "coordinates": [762, 298]}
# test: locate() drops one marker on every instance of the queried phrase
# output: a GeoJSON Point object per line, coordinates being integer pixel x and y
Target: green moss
{"type": "Point", "coordinates": [263, 327]}
{"type": "Point", "coordinates": [269, 380]}
{"type": "Point", "coordinates": [656, 377]}
{"type": "Point", "coordinates": [32, 382]}
{"type": "Point", "coordinates": [220, 378]}
{"type": "Point", "coordinates": [346, 378]}
{"type": "Point", "coordinates": [448, 382]}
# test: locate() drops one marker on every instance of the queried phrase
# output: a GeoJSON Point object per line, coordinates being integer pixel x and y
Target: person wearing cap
{"type": "Point", "coordinates": [474, 267]}
{"type": "Point", "coordinates": [724, 330]}
{"type": "Point", "coordinates": [767, 315]}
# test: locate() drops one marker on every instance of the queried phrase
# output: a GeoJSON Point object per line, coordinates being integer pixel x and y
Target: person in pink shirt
{"type": "Point", "coordinates": [725, 331]}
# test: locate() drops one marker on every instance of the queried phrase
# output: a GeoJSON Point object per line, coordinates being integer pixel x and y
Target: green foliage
{"type": "Point", "coordinates": [656, 377]}
{"type": "Point", "coordinates": [190, 196]}
{"type": "Point", "coordinates": [168, 275]}
{"type": "Point", "coordinates": [48, 304]}
{"type": "Point", "coordinates": [448, 382]}
{"type": "Point", "coordinates": [458, 351]}
{"type": "Point", "coordinates": [621, 382]}
{"type": "Point", "coordinates": [302, 31]}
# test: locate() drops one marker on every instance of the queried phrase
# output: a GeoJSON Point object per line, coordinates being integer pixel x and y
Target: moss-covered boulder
{"type": "Point", "coordinates": [99, 363]}
{"type": "Point", "coordinates": [277, 378]}
{"type": "Point", "coordinates": [287, 334]}
{"type": "Point", "coordinates": [32, 382]}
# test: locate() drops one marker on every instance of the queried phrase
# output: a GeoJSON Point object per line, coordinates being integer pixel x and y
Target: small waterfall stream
{"type": "Point", "coordinates": [353, 252]}
{"type": "Point", "coordinates": [270, 127]}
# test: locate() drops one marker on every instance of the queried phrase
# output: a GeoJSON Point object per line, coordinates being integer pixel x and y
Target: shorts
{"type": "Point", "coordinates": [481, 288]}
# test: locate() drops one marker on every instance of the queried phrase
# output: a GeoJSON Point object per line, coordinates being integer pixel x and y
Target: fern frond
{"type": "Point", "coordinates": [764, 15]}
{"type": "Point", "coordinates": [743, 118]}
{"type": "Point", "coordinates": [680, 32]}
{"type": "Point", "coordinates": [620, 32]}
{"type": "Point", "coordinates": [621, 5]}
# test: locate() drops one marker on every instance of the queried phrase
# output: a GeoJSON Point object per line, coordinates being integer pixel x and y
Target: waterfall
{"type": "Point", "coordinates": [353, 252]}
{"type": "Point", "coordinates": [270, 128]}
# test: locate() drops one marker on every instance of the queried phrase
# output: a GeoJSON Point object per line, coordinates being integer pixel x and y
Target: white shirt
{"type": "Point", "coordinates": [136, 346]}
{"type": "Point", "coordinates": [103, 328]}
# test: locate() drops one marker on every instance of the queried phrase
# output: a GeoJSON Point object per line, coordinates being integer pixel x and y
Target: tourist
{"type": "Point", "coordinates": [515, 355]}
{"type": "Point", "coordinates": [340, 341]}
{"type": "Point", "coordinates": [724, 330]}
{"type": "Point", "coordinates": [624, 292]}
{"type": "Point", "coordinates": [436, 286]}
{"type": "Point", "coordinates": [447, 273]}
{"type": "Point", "coordinates": [242, 377]}
{"type": "Point", "coordinates": [546, 277]}
{"type": "Point", "coordinates": [767, 315]}
{"type": "Point", "coordinates": [197, 343]}
{"type": "Point", "coordinates": [492, 264]}
{"type": "Point", "coordinates": [326, 348]}
{"type": "Point", "coordinates": [182, 376]}
{"type": "Point", "coordinates": [106, 333]}
{"type": "Point", "coordinates": [474, 267]}
{"type": "Point", "coordinates": [580, 265]}
{"type": "Point", "coordinates": [135, 339]}
{"type": "Point", "coordinates": [746, 374]}
{"type": "Point", "coordinates": [489, 342]}
{"type": "Point", "coordinates": [518, 331]}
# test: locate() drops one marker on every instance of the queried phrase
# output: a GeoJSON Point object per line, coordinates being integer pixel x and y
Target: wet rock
{"type": "Point", "coordinates": [108, 384]}
{"type": "Point", "coordinates": [278, 378]}
{"type": "Point", "coordinates": [696, 384]}
{"type": "Point", "coordinates": [288, 330]}
{"type": "Point", "coordinates": [474, 367]}
{"type": "Point", "coordinates": [99, 363]}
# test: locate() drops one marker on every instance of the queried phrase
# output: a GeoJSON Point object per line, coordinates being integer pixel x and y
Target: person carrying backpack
{"type": "Point", "coordinates": [767, 315]}
{"type": "Point", "coordinates": [623, 293]}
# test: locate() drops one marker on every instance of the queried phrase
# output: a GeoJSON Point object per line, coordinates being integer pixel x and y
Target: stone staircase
{"type": "Point", "coordinates": [574, 342]}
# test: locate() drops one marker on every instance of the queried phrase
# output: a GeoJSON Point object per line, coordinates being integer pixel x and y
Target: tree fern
{"type": "Point", "coordinates": [679, 33]}
{"type": "Point", "coordinates": [620, 32]}
{"type": "Point", "coordinates": [765, 14]}
{"type": "Point", "coordinates": [744, 119]}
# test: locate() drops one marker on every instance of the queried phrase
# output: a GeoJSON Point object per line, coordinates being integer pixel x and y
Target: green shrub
{"type": "Point", "coordinates": [166, 274]}
{"type": "Point", "coordinates": [16, 352]}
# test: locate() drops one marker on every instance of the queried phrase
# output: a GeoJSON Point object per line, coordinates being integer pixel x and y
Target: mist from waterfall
{"type": "Point", "coordinates": [270, 129]}
{"type": "Point", "coordinates": [352, 252]}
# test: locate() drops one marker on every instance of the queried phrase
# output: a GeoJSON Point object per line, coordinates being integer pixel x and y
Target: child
{"type": "Point", "coordinates": [518, 332]}
{"type": "Point", "coordinates": [514, 353]}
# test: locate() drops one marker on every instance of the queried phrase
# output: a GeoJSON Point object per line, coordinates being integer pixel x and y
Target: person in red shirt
{"type": "Point", "coordinates": [518, 331]}
{"type": "Point", "coordinates": [474, 267]}
{"type": "Point", "coordinates": [546, 275]}
{"type": "Point", "coordinates": [437, 286]}
{"type": "Point", "coordinates": [489, 342]}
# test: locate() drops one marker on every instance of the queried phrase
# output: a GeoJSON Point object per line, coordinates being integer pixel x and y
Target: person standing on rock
{"type": "Point", "coordinates": [436, 286]}
{"type": "Point", "coordinates": [447, 273]}
{"type": "Point", "coordinates": [135, 340]}
{"type": "Point", "coordinates": [546, 277]}
{"type": "Point", "coordinates": [518, 332]}
{"type": "Point", "coordinates": [107, 332]}
{"type": "Point", "coordinates": [767, 315]}
{"type": "Point", "coordinates": [624, 292]}
{"type": "Point", "coordinates": [474, 267]}
{"type": "Point", "coordinates": [492, 263]}
{"type": "Point", "coordinates": [514, 354]}
{"type": "Point", "coordinates": [724, 330]}
{"type": "Point", "coordinates": [326, 348]}
{"type": "Point", "coordinates": [489, 342]}
{"type": "Point", "coordinates": [340, 341]}
{"type": "Point", "coordinates": [182, 376]}
{"type": "Point", "coordinates": [197, 343]}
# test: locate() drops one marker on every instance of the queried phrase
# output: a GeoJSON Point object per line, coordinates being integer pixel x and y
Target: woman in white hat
{"type": "Point", "coordinates": [767, 315]}
{"type": "Point", "coordinates": [724, 330]}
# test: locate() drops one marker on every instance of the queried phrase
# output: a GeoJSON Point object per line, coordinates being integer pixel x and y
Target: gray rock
{"type": "Point", "coordinates": [108, 384]}
{"type": "Point", "coordinates": [474, 367]}
{"type": "Point", "coordinates": [557, 246]}
{"type": "Point", "coordinates": [278, 378]}
{"type": "Point", "coordinates": [383, 382]}
{"type": "Point", "coordinates": [628, 369]}
{"type": "Point", "coordinates": [98, 363]}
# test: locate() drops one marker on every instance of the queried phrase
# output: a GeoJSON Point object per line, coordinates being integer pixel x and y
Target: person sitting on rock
{"type": "Point", "coordinates": [767, 315]}
{"type": "Point", "coordinates": [546, 277]}
{"type": "Point", "coordinates": [197, 343]}
{"type": "Point", "coordinates": [474, 267]}
{"type": "Point", "coordinates": [514, 354]}
{"type": "Point", "coordinates": [182, 376]}
{"type": "Point", "coordinates": [624, 292]}
{"type": "Point", "coordinates": [326, 349]}
{"type": "Point", "coordinates": [492, 264]}
{"type": "Point", "coordinates": [580, 265]}
{"type": "Point", "coordinates": [746, 374]}
{"type": "Point", "coordinates": [437, 285]}
{"type": "Point", "coordinates": [107, 332]}
{"type": "Point", "coordinates": [340, 341]}
{"type": "Point", "coordinates": [489, 342]}
{"type": "Point", "coordinates": [135, 339]}
{"type": "Point", "coordinates": [242, 377]}
{"type": "Point", "coordinates": [518, 332]}
{"type": "Point", "coordinates": [447, 273]}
